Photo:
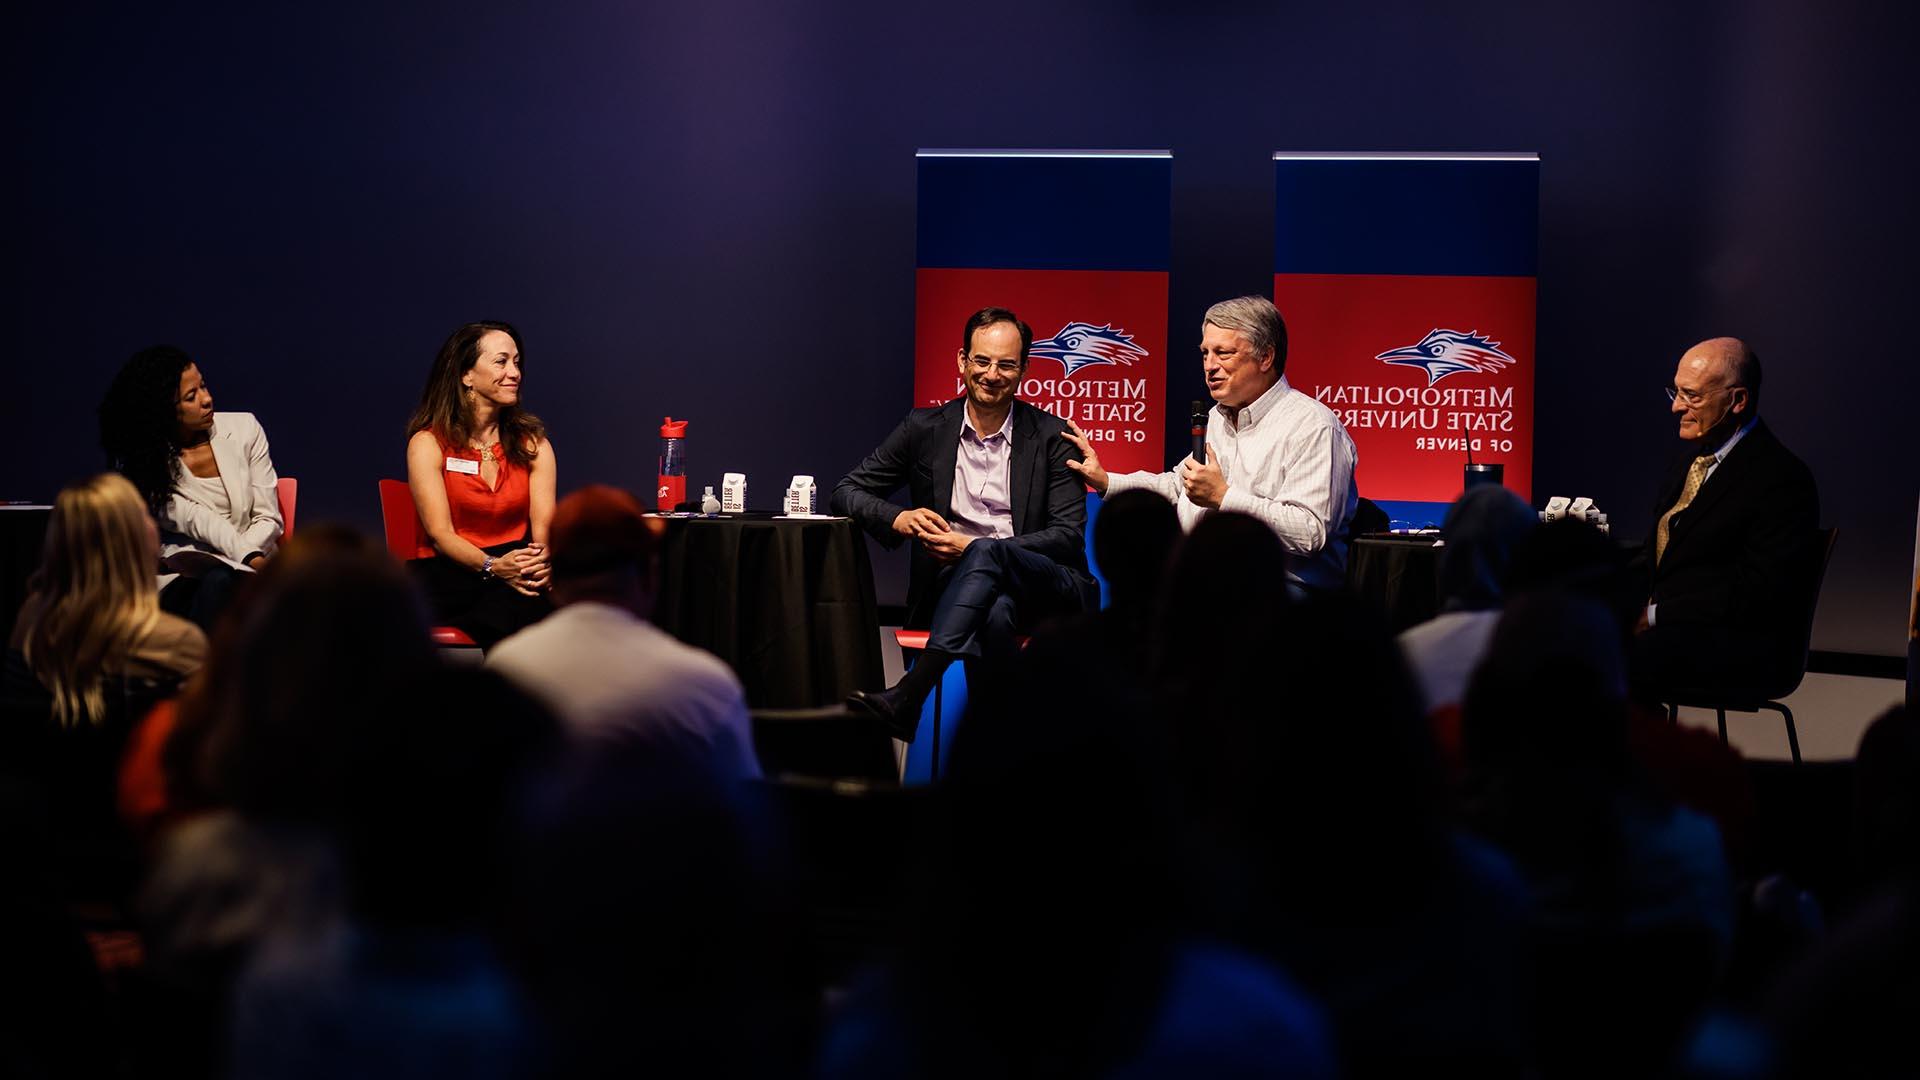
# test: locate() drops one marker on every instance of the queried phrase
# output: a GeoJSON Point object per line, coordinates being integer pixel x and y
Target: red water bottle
{"type": "Point", "coordinates": [673, 466]}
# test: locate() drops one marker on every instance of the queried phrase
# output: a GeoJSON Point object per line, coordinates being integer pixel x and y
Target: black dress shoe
{"type": "Point", "coordinates": [899, 711]}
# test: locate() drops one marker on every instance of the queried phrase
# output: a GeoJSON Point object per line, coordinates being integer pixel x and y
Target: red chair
{"type": "Point", "coordinates": [915, 641]}
{"type": "Point", "coordinates": [405, 537]}
{"type": "Point", "coordinates": [289, 490]}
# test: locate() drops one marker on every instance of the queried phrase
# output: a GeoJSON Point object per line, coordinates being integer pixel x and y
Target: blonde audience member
{"type": "Point", "coordinates": [90, 652]}
{"type": "Point", "coordinates": [91, 627]}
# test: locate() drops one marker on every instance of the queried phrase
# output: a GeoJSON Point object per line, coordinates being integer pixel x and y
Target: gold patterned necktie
{"type": "Point", "coordinates": [1696, 475]}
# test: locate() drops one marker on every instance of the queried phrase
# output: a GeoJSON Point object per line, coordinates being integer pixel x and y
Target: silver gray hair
{"type": "Point", "coordinates": [1256, 319]}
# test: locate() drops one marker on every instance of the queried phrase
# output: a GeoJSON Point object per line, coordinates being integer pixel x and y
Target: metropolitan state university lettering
{"type": "Point", "coordinates": [1431, 408]}
{"type": "Point", "coordinates": [1452, 397]}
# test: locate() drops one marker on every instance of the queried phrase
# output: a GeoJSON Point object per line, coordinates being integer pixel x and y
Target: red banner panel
{"type": "Point", "coordinates": [1099, 348]}
{"type": "Point", "coordinates": [1422, 370]}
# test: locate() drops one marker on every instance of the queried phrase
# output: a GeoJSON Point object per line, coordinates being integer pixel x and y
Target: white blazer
{"type": "Point", "coordinates": [194, 535]}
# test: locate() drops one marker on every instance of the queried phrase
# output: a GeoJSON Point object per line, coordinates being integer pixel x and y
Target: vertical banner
{"type": "Point", "coordinates": [1074, 242]}
{"type": "Point", "coordinates": [1407, 281]}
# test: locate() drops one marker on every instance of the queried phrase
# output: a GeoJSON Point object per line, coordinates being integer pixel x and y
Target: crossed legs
{"type": "Point", "coordinates": [996, 587]}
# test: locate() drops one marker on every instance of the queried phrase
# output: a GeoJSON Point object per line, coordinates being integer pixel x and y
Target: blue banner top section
{"type": "Point", "coordinates": [1431, 214]}
{"type": "Point", "coordinates": [1027, 210]}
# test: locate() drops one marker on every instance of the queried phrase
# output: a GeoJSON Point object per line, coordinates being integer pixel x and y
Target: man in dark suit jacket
{"type": "Point", "coordinates": [996, 517]}
{"type": "Point", "coordinates": [1732, 561]}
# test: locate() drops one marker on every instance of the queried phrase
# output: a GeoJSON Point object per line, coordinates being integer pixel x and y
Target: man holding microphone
{"type": "Point", "coordinates": [1271, 452]}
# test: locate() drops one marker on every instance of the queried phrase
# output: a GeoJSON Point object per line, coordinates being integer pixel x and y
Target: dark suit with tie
{"type": "Point", "coordinates": [1040, 571]}
{"type": "Point", "coordinates": [1733, 589]}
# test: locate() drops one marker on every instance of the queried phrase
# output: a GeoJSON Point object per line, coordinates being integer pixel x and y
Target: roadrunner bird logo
{"type": "Point", "coordinates": [1448, 352]}
{"type": "Point", "coordinates": [1077, 345]}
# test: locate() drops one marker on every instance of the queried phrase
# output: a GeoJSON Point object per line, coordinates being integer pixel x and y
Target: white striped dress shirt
{"type": "Point", "coordinates": [1289, 462]}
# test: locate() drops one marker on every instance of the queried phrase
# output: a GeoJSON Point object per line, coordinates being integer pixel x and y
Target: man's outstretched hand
{"type": "Point", "coordinates": [1090, 468]}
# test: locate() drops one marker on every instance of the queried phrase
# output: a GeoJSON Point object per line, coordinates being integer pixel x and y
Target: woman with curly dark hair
{"type": "Point", "coordinates": [482, 475]}
{"type": "Point", "coordinates": [206, 477]}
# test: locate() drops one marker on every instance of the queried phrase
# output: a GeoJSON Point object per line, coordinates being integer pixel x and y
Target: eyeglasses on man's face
{"type": "Point", "coordinates": [981, 365]}
{"type": "Point", "coordinates": [1692, 398]}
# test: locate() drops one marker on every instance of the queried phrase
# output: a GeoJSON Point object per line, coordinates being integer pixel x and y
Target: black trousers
{"type": "Point", "coordinates": [1685, 659]}
{"type": "Point", "coordinates": [485, 608]}
{"type": "Point", "coordinates": [201, 599]}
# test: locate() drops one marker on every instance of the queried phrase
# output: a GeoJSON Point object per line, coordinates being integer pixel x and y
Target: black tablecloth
{"type": "Point", "coordinates": [1399, 576]}
{"type": "Point", "coordinates": [789, 604]}
{"type": "Point", "coordinates": [22, 531]}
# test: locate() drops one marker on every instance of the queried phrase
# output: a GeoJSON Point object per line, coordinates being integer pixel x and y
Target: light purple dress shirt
{"type": "Point", "coordinates": [982, 497]}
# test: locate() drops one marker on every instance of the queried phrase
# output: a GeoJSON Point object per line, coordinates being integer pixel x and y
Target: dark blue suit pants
{"type": "Point", "coordinates": [995, 589]}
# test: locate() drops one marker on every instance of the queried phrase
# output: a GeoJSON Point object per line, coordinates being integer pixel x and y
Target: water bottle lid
{"type": "Point", "coordinates": [673, 429]}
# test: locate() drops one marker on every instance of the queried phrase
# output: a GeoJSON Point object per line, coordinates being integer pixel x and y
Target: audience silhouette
{"type": "Point", "coordinates": [1481, 531]}
{"type": "Point", "coordinates": [1632, 896]}
{"type": "Point", "coordinates": [89, 652]}
{"type": "Point", "coordinates": [1209, 830]}
{"type": "Point", "coordinates": [1047, 936]}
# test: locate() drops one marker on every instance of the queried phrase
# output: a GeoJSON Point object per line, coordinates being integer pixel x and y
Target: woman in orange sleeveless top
{"type": "Point", "coordinates": [483, 480]}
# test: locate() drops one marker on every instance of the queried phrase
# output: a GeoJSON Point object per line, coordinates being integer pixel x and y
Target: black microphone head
{"type": "Point", "coordinates": [1199, 410]}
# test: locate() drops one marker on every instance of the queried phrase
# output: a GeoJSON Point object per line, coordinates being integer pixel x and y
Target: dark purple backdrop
{"type": "Point", "coordinates": [708, 211]}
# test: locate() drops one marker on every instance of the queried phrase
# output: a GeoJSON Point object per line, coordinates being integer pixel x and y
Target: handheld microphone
{"type": "Point", "coordinates": [1199, 434]}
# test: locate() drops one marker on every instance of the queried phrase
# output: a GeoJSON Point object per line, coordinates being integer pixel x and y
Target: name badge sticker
{"type": "Point", "coordinates": [463, 465]}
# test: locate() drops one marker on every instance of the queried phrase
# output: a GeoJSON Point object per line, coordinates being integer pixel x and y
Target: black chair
{"type": "Point", "coordinates": [853, 846]}
{"type": "Point", "coordinates": [828, 742]}
{"type": "Point", "coordinates": [1778, 684]}
{"type": "Point", "coordinates": [71, 773]}
{"type": "Point", "coordinates": [1368, 518]}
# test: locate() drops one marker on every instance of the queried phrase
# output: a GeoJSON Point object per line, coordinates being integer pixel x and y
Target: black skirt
{"type": "Point", "coordinates": [486, 609]}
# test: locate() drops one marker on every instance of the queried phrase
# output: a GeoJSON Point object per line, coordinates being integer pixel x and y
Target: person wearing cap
{"type": "Point", "coordinates": [608, 673]}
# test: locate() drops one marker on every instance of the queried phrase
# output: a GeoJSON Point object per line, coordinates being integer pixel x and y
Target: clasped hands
{"type": "Point", "coordinates": [525, 570]}
{"type": "Point", "coordinates": [1205, 485]}
{"type": "Point", "coordinates": [933, 533]}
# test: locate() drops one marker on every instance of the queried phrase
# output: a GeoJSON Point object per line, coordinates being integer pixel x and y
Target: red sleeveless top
{"type": "Point", "coordinates": [483, 516]}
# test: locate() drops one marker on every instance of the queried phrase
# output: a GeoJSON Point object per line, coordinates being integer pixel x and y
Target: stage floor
{"type": "Point", "coordinates": [1829, 711]}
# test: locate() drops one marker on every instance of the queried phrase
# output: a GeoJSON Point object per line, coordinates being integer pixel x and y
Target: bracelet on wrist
{"type": "Point", "coordinates": [486, 568]}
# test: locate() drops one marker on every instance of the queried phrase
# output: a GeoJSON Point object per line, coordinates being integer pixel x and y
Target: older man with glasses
{"type": "Point", "coordinates": [996, 517]}
{"type": "Point", "coordinates": [1729, 559]}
